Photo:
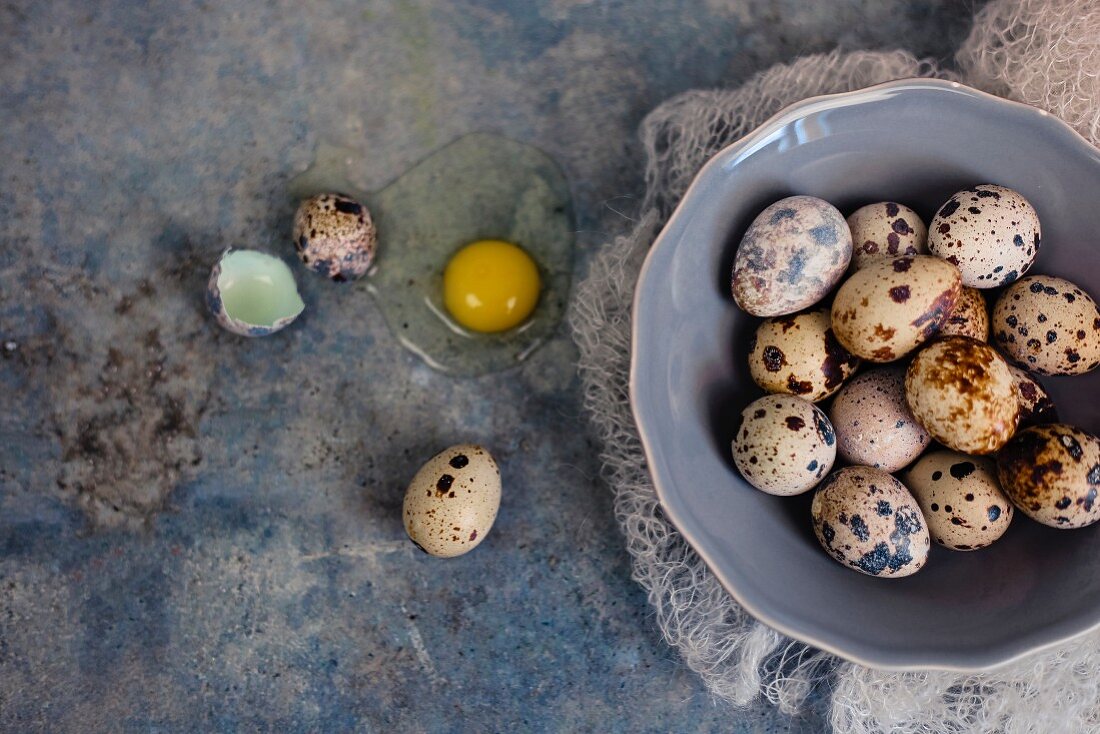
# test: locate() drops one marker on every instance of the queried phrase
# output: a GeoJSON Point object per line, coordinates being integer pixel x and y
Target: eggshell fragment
{"type": "Point", "coordinates": [960, 498]}
{"type": "Point", "coordinates": [800, 356]}
{"type": "Point", "coordinates": [991, 233]}
{"type": "Point", "coordinates": [886, 230]}
{"type": "Point", "coordinates": [1048, 325]}
{"type": "Point", "coordinates": [888, 308]}
{"type": "Point", "coordinates": [784, 445]}
{"type": "Point", "coordinates": [867, 520]}
{"type": "Point", "coordinates": [970, 317]}
{"type": "Point", "coordinates": [873, 424]}
{"type": "Point", "coordinates": [251, 293]}
{"type": "Point", "coordinates": [335, 236]}
{"type": "Point", "coordinates": [792, 255]}
{"type": "Point", "coordinates": [963, 393]}
{"type": "Point", "coordinates": [452, 501]}
{"type": "Point", "coordinates": [1052, 474]}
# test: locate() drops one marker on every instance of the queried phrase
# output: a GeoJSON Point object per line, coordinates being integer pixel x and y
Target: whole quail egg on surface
{"type": "Point", "coordinates": [868, 521]}
{"type": "Point", "coordinates": [989, 232]}
{"type": "Point", "coordinates": [886, 230]}
{"type": "Point", "coordinates": [963, 393]}
{"type": "Point", "coordinates": [799, 355]}
{"type": "Point", "coordinates": [792, 255]}
{"type": "Point", "coordinates": [873, 424]}
{"type": "Point", "coordinates": [1049, 325]}
{"type": "Point", "coordinates": [452, 501]}
{"type": "Point", "coordinates": [970, 317]}
{"type": "Point", "coordinates": [960, 498]}
{"type": "Point", "coordinates": [886, 309]}
{"type": "Point", "coordinates": [784, 445]}
{"type": "Point", "coordinates": [1052, 474]}
{"type": "Point", "coordinates": [335, 236]}
{"type": "Point", "coordinates": [1036, 405]}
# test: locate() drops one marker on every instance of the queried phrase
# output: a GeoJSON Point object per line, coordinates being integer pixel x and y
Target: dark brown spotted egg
{"type": "Point", "coordinates": [873, 424]}
{"type": "Point", "coordinates": [784, 446]}
{"type": "Point", "coordinates": [452, 502]}
{"type": "Point", "coordinates": [335, 236]}
{"type": "Point", "coordinates": [970, 317]}
{"type": "Point", "coordinates": [886, 230]}
{"type": "Point", "coordinates": [800, 356]}
{"type": "Point", "coordinates": [791, 256]}
{"type": "Point", "coordinates": [989, 232]}
{"type": "Point", "coordinates": [1049, 325]}
{"type": "Point", "coordinates": [961, 499]}
{"type": "Point", "coordinates": [867, 520]}
{"type": "Point", "coordinates": [1036, 405]}
{"type": "Point", "coordinates": [1052, 474]}
{"type": "Point", "coordinates": [963, 393]}
{"type": "Point", "coordinates": [888, 308]}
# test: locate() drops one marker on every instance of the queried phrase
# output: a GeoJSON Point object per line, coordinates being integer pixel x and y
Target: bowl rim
{"type": "Point", "coordinates": [785, 116]}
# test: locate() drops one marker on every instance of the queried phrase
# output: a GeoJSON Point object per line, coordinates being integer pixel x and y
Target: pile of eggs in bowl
{"type": "Point", "coordinates": [888, 319]}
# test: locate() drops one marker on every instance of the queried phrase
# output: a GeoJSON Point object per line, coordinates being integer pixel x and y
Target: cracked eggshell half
{"type": "Point", "coordinates": [252, 293]}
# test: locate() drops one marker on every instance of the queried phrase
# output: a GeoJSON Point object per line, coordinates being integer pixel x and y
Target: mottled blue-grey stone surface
{"type": "Point", "coordinates": [202, 533]}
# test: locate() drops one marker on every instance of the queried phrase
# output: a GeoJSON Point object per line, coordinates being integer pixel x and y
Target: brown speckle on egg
{"type": "Point", "coordinates": [1037, 303]}
{"type": "Point", "coordinates": [784, 446]}
{"type": "Point", "coordinates": [800, 355]}
{"type": "Point", "coordinates": [966, 487]}
{"type": "Point", "coordinates": [885, 230]}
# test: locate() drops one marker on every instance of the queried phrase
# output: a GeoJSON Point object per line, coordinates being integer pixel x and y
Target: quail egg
{"type": "Point", "coordinates": [960, 498]}
{"type": "Point", "coordinates": [1036, 405]}
{"type": "Point", "coordinates": [886, 230]}
{"type": "Point", "coordinates": [1048, 325]}
{"type": "Point", "coordinates": [799, 355]}
{"type": "Point", "coordinates": [252, 294]}
{"type": "Point", "coordinates": [873, 424]}
{"type": "Point", "coordinates": [989, 232]}
{"type": "Point", "coordinates": [452, 501]}
{"type": "Point", "coordinates": [963, 393]}
{"type": "Point", "coordinates": [335, 236]}
{"type": "Point", "coordinates": [970, 317]}
{"type": "Point", "coordinates": [867, 520]}
{"type": "Point", "coordinates": [784, 446]}
{"type": "Point", "coordinates": [889, 307]}
{"type": "Point", "coordinates": [1052, 474]}
{"type": "Point", "coordinates": [792, 255]}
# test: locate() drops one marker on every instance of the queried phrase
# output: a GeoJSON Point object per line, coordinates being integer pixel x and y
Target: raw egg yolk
{"type": "Point", "coordinates": [490, 286]}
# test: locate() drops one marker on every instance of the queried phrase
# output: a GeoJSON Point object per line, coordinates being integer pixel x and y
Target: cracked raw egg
{"type": "Point", "coordinates": [474, 249]}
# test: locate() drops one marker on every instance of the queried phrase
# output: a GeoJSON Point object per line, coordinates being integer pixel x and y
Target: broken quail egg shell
{"type": "Point", "coordinates": [252, 293]}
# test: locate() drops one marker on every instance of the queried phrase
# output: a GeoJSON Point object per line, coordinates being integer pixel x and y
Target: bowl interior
{"type": "Point", "coordinates": [916, 142]}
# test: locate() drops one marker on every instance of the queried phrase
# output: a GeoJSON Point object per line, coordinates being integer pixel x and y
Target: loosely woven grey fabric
{"type": "Point", "coordinates": [1043, 52]}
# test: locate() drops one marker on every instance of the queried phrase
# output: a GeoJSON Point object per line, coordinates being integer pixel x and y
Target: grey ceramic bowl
{"type": "Point", "coordinates": [917, 142]}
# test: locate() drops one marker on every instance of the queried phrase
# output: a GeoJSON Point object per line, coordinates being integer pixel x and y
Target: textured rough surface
{"type": "Point", "coordinates": [200, 532]}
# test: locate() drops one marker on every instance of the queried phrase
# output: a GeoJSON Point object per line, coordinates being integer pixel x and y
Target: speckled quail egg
{"type": "Point", "coordinates": [960, 498]}
{"type": "Point", "coordinates": [792, 255]}
{"type": "Point", "coordinates": [252, 293]}
{"type": "Point", "coordinates": [784, 445]}
{"type": "Point", "coordinates": [1052, 474]}
{"type": "Point", "coordinates": [799, 355]}
{"type": "Point", "coordinates": [867, 520]}
{"type": "Point", "coordinates": [963, 393]}
{"type": "Point", "coordinates": [1048, 325]}
{"type": "Point", "coordinates": [452, 501]}
{"type": "Point", "coordinates": [886, 309]}
{"type": "Point", "coordinates": [970, 317]}
{"type": "Point", "coordinates": [335, 236]}
{"type": "Point", "coordinates": [886, 230]}
{"type": "Point", "coordinates": [1036, 405]}
{"type": "Point", "coordinates": [873, 424]}
{"type": "Point", "coordinates": [989, 232]}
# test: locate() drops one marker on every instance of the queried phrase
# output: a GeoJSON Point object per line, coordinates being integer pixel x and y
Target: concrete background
{"type": "Point", "coordinates": [202, 533]}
